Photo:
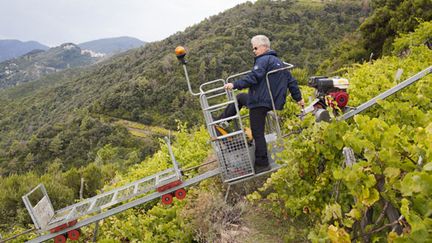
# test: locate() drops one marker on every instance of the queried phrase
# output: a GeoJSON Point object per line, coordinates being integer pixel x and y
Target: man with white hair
{"type": "Point", "coordinates": [258, 98]}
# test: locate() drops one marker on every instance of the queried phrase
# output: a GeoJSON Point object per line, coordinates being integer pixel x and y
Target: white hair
{"type": "Point", "coordinates": [261, 40]}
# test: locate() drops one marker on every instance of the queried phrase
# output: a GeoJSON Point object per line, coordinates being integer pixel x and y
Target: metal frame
{"type": "Point", "coordinates": [231, 149]}
{"type": "Point", "coordinates": [45, 218]}
{"type": "Point", "coordinates": [230, 158]}
{"type": "Point", "coordinates": [43, 211]}
{"type": "Point", "coordinates": [288, 66]}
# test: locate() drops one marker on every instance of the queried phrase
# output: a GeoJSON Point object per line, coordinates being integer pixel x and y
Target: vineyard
{"type": "Point", "coordinates": [324, 198]}
{"type": "Point", "coordinates": [392, 145]}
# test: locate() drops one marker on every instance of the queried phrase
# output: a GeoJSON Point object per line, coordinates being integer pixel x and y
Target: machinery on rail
{"type": "Point", "coordinates": [330, 93]}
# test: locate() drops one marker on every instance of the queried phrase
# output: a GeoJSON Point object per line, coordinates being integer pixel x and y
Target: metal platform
{"type": "Point", "coordinates": [232, 148]}
{"type": "Point", "coordinates": [45, 218]}
{"type": "Point", "coordinates": [128, 205]}
{"type": "Point", "coordinates": [273, 168]}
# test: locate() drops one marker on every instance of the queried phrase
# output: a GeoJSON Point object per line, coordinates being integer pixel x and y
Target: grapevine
{"type": "Point", "coordinates": [386, 195]}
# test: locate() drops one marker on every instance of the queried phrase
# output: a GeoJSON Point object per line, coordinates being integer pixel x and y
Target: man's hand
{"type": "Point", "coordinates": [229, 86]}
{"type": "Point", "coordinates": [301, 103]}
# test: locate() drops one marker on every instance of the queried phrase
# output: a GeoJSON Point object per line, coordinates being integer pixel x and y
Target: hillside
{"type": "Point", "coordinates": [110, 46]}
{"type": "Point", "coordinates": [39, 63]}
{"type": "Point", "coordinates": [144, 85]}
{"type": "Point", "coordinates": [385, 196]}
{"type": "Point", "coordinates": [316, 197]}
{"type": "Point", "coordinates": [14, 48]}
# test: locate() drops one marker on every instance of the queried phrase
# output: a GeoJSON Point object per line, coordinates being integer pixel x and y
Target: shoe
{"type": "Point", "coordinates": [261, 168]}
{"type": "Point", "coordinates": [224, 125]}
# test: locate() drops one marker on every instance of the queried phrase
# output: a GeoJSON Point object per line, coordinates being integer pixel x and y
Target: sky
{"type": "Point", "coordinates": [53, 22]}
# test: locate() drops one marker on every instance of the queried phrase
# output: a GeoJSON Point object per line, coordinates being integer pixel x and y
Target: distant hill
{"type": "Point", "coordinates": [111, 46]}
{"type": "Point", "coordinates": [38, 63]}
{"type": "Point", "coordinates": [14, 48]}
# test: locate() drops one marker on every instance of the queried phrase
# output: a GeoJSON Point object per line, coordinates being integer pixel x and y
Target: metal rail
{"type": "Point", "coordinates": [17, 235]}
{"type": "Point", "coordinates": [387, 93]}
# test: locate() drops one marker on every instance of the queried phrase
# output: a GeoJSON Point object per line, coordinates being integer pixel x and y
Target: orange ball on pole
{"type": "Point", "coordinates": [180, 51]}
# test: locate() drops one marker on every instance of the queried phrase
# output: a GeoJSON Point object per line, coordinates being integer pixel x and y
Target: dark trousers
{"type": "Point", "coordinates": [257, 121]}
{"type": "Point", "coordinates": [230, 110]}
{"type": "Point", "coordinates": [257, 118]}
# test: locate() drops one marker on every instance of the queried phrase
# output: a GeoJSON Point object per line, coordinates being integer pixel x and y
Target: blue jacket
{"type": "Point", "coordinates": [279, 83]}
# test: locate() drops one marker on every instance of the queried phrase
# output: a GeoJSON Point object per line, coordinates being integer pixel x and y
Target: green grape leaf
{"type": "Point", "coordinates": [354, 213]}
{"type": "Point", "coordinates": [369, 196]}
{"type": "Point", "coordinates": [391, 173]}
{"type": "Point", "coordinates": [428, 167]}
{"type": "Point", "coordinates": [338, 235]}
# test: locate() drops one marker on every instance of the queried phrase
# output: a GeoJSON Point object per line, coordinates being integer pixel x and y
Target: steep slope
{"type": "Point", "coordinates": [110, 46]}
{"type": "Point", "coordinates": [14, 48]}
{"type": "Point", "coordinates": [315, 195]}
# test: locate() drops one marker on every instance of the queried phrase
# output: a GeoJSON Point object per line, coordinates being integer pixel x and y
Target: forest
{"type": "Point", "coordinates": [78, 124]}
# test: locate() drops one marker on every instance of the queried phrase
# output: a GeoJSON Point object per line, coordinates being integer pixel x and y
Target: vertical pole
{"type": "Point", "coordinates": [174, 161]}
{"type": "Point", "coordinates": [95, 232]}
{"type": "Point", "coordinates": [227, 193]}
{"type": "Point", "coordinates": [81, 188]}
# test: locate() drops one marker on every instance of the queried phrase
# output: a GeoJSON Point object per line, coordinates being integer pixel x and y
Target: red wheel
{"type": "Point", "coordinates": [180, 194]}
{"type": "Point", "coordinates": [73, 234]}
{"type": "Point", "coordinates": [167, 199]}
{"type": "Point", "coordinates": [60, 239]}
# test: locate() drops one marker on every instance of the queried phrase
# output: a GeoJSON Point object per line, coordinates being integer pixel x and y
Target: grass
{"type": "Point", "coordinates": [212, 219]}
{"type": "Point", "coordinates": [265, 227]}
{"type": "Point", "coordinates": [262, 225]}
{"type": "Point", "coordinates": [143, 131]}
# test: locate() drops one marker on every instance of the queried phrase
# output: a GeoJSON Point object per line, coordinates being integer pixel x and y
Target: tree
{"type": "Point", "coordinates": [391, 18]}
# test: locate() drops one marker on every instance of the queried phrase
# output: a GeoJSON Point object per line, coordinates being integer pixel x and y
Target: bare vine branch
{"type": "Point", "coordinates": [381, 216]}
{"type": "Point", "coordinates": [380, 228]}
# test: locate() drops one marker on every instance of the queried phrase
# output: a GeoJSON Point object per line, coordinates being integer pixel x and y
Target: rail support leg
{"type": "Point", "coordinates": [227, 192]}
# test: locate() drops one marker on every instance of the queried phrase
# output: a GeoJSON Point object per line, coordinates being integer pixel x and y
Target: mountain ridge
{"type": "Point", "coordinates": [41, 62]}
{"type": "Point", "coordinates": [11, 48]}
{"type": "Point", "coordinates": [112, 45]}
{"type": "Point", "coordinates": [37, 63]}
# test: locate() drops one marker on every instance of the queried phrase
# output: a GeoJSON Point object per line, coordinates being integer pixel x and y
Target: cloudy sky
{"type": "Point", "coordinates": [53, 22]}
